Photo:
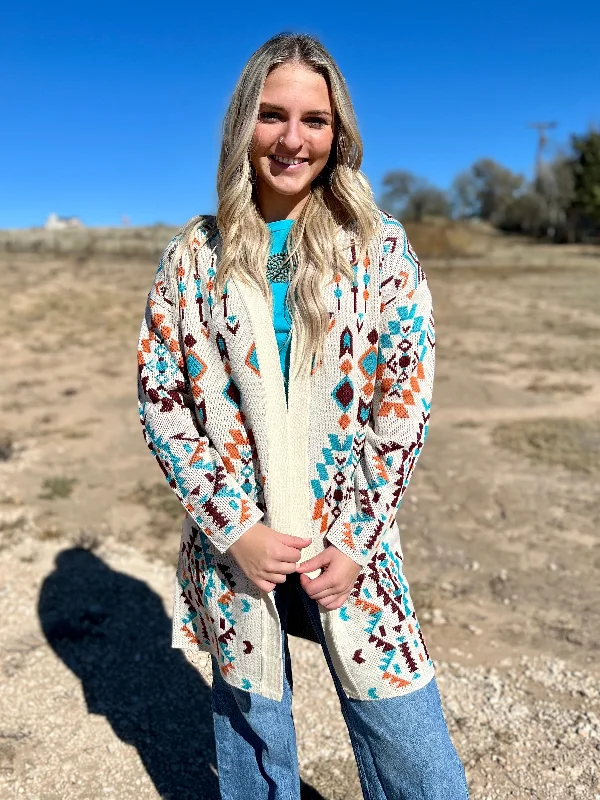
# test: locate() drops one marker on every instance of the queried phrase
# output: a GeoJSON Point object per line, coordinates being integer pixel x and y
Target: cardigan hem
{"type": "Point", "coordinates": [413, 686]}
{"type": "Point", "coordinates": [200, 658]}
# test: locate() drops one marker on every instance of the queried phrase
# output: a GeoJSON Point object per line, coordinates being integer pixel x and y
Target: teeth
{"type": "Point", "coordinates": [288, 160]}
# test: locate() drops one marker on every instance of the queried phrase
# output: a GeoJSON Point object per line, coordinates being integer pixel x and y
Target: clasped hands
{"type": "Point", "coordinates": [267, 557]}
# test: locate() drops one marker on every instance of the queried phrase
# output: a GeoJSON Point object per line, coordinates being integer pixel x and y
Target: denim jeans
{"type": "Point", "coordinates": [402, 745]}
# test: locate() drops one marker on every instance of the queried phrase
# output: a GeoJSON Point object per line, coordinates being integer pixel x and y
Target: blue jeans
{"type": "Point", "coordinates": [402, 745]}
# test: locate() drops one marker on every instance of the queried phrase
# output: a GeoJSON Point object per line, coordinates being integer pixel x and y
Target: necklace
{"type": "Point", "coordinates": [277, 272]}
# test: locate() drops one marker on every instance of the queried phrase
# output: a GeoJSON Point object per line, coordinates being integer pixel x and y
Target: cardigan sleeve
{"type": "Point", "coordinates": [171, 427]}
{"type": "Point", "coordinates": [396, 432]}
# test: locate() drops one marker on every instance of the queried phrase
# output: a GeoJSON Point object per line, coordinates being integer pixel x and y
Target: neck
{"type": "Point", "coordinates": [275, 206]}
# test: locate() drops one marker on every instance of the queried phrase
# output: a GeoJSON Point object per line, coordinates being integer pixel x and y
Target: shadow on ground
{"type": "Point", "coordinates": [111, 630]}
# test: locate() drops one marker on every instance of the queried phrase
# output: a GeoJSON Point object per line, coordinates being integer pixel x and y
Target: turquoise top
{"type": "Point", "coordinates": [281, 318]}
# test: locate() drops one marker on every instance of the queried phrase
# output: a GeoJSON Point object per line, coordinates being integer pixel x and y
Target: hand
{"type": "Point", "coordinates": [267, 556]}
{"type": "Point", "coordinates": [332, 587]}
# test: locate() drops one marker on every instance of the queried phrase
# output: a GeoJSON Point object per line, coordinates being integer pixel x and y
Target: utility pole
{"type": "Point", "coordinates": [544, 179]}
{"type": "Point", "coordinates": [541, 128]}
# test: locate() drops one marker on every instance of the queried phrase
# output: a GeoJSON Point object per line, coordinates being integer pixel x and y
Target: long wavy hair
{"type": "Point", "coordinates": [340, 207]}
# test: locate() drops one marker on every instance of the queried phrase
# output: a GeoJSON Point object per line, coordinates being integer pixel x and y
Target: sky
{"type": "Point", "coordinates": [115, 108]}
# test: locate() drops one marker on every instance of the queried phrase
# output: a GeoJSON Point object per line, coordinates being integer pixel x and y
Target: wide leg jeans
{"type": "Point", "coordinates": [402, 745]}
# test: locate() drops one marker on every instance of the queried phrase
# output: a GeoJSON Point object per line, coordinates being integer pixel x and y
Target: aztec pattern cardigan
{"type": "Point", "coordinates": [333, 465]}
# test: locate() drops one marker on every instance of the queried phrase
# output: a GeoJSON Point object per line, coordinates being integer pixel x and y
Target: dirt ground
{"type": "Point", "coordinates": [499, 525]}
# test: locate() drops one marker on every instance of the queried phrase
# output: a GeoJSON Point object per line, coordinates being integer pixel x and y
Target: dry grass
{"type": "Point", "coordinates": [563, 357]}
{"type": "Point", "coordinates": [442, 238]}
{"type": "Point", "coordinates": [84, 243]}
{"type": "Point", "coordinates": [158, 498]}
{"type": "Point", "coordinates": [563, 442]}
{"type": "Point", "coordinates": [57, 487]}
{"type": "Point", "coordinates": [431, 238]}
{"type": "Point", "coordinates": [566, 387]}
{"type": "Point", "coordinates": [6, 446]}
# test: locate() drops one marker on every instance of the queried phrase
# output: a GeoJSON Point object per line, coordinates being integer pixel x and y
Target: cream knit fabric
{"type": "Point", "coordinates": [332, 465]}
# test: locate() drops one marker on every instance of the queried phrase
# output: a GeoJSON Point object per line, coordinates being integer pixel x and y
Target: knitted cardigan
{"type": "Point", "coordinates": [333, 466]}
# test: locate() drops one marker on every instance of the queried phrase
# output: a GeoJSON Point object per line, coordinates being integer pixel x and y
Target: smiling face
{"type": "Point", "coordinates": [295, 123]}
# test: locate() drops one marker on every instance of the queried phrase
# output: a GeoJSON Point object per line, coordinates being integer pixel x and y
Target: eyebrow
{"type": "Point", "coordinates": [281, 108]}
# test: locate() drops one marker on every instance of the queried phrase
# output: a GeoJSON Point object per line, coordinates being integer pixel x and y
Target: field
{"type": "Point", "coordinates": [500, 532]}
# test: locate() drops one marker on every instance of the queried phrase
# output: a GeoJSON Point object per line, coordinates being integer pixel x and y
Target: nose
{"type": "Point", "coordinates": [291, 137]}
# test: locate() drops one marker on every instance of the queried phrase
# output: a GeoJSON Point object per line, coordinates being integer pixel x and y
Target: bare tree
{"type": "Point", "coordinates": [410, 197]}
{"type": "Point", "coordinates": [485, 190]}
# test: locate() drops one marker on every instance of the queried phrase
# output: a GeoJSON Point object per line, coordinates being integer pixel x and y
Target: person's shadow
{"type": "Point", "coordinates": [111, 630]}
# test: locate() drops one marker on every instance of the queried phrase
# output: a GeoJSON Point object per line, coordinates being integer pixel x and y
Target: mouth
{"type": "Point", "coordinates": [288, 164]}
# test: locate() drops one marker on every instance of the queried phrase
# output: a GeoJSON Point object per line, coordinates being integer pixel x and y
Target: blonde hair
{"type": "Point", "coordinates": [340, 205]}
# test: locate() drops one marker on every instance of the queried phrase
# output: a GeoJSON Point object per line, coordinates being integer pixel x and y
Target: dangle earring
{"type": "Point", "coordinates": [252, 174]}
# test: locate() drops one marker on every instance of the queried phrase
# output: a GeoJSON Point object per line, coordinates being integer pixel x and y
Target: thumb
{"type": "Point", "coordinates": [320, 560]}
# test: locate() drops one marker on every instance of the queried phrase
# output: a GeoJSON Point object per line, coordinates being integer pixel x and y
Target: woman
{"type": "Point", "coordinates": [285, 375]}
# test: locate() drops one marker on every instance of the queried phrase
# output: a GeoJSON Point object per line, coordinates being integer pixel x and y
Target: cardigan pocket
{"type": "Point", "coordinates": [381, 584]}
{"type": "Point", "coordinates": [388, 572]}
{"type": "Point", "coordinates": [377, 628]}
{"type": "Point", "coordinates": [224, 609]}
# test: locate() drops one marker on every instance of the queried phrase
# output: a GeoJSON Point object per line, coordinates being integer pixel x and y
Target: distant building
{"type": "Point", "coordinates": [54, 222]}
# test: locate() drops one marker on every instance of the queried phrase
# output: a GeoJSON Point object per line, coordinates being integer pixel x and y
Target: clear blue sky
{"type": "Point", "coordinates": [112, 108]}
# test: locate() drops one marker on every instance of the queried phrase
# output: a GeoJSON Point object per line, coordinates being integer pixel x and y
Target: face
{"type": "Point", "coordinates": [295, 122]}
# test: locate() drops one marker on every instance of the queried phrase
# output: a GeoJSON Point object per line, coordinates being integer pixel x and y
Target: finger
{"type": "Point", "coordinates": [294, 541]}
{"type": "Point", "coordinates": [333, 601]}
{"type": "Point", "coordinates": [265, 586]}
{"type": "Point", "coordinates": [304, 581]}
{"type": "Point", "coordinates": [320, 586]}
{"type": "Point", "coordinates": [327, 592]}
{"type": "Point", "coordinates": [277, 577]}
{"type": "Point", "coordinates": [288, 553]}
{"type": "Point", "coordinates": [320, 560]}
{"type": "Point", "coordinates": [287, 567]}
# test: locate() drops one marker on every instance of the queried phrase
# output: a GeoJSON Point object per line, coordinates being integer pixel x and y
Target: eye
{"type": "Point", "coordinates": [316, 122]}
{"type": "Point", "coordinates": [266, 114]}
{"type": "Point", "coordinates": [313, 122]}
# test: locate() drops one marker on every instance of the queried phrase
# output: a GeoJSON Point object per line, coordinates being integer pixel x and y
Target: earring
{"type": "Point", "coordinates": [252, 174]}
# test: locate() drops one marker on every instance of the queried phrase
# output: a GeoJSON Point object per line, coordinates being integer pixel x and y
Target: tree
{"type": "Point", "coordinates": [463, 196]}
{"type": "Point", "coordinates": [410, 197]}
{"type": "Point", "coordinates": [485, 190]}
{"type": "Point", "coordinates": [527, 213]}
{"type": "Point", "coordinates": [540, 209]}
{"type": "Point", "coordinates": [586, 178]}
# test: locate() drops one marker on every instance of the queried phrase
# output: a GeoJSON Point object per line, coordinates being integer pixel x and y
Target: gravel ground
{"type": "Point", "coordinates": [95, 704]}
